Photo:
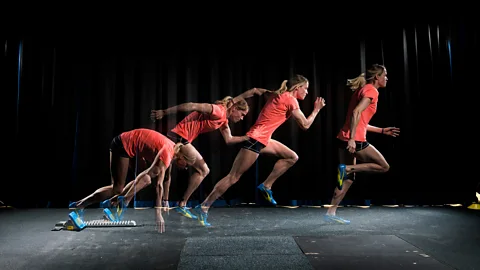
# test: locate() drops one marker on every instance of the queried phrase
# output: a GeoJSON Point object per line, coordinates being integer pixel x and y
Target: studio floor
{"type": "Point", "coordinates": [247, 237]}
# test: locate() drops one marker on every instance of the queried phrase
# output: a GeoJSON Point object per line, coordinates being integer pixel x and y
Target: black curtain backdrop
{"type": "Point", "coordinates": [68, 97]}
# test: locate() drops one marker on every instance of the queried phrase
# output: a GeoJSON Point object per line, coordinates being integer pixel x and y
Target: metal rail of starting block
{"type": "Point", "coordinates": [69, 226]}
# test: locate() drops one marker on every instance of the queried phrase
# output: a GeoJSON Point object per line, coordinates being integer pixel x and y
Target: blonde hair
{"type": "Point", "coordinates": [228, 102]}
{"type": "Point", "coordinates": [177, 150]}
{"type": "Point", "coordinates": [357, 82]}
{"type": "Point", "coordinates": [291, 84]}
{"type": "Point", "coordinates": [360, 81]}
{"type": "Point", "coordinates": [241, 105]}
{"type": "Point", "coordinates": [225, 101]}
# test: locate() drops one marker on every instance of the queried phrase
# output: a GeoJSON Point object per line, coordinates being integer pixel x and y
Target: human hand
{"type": "Point", "coordinates": [157, 114]}
{"type": "Point", "coordinates": [259, 131]}
{"type": "Point", "coordinates": [159, 221]}
{"type": "Point", "coordinates": [391, 131]}
{"type": "Point", "coordinates": [352, 146]}
{"type": "Point", "coordinates": [319, 104]}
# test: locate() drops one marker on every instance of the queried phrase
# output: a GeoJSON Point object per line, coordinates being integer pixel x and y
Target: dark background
{"type": "Point", "coordinates": [68, 95]}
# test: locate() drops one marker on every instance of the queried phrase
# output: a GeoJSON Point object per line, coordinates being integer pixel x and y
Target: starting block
{"type": "Point", "coordinates": [69, 225]}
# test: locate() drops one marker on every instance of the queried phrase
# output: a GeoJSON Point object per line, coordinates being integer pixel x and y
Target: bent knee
{"type": "Point", "coordinates": [204, 170]}
{"type": "Point", "coordinates": [293, 158]}
{"type": "Point", "coordinates": [147, 180]}
{"type": "Point", "coordinates": [385, 167]}
{"type": "Point", "coordinates": [155, 171]}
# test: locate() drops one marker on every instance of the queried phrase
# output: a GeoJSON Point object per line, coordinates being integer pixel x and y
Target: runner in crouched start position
{"type": "Point", "coordinates": [146, 144]}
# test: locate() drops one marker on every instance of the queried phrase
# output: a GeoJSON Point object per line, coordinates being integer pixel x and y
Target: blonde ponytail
{"type": "Point", "coordinates": [283, 87]}
{"type": "Point", "coordinates": [292, 84]}
{"type": "Point", "coordinates": [177, 150]}
{"type": "Point", "coordinates": [177, 147]}
{"type": "Point", "coordinates": [357, 82]}
{"type": "Point", "coordinates": [226, 101]}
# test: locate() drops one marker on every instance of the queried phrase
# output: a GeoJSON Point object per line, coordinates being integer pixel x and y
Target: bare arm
{"type": "Point", "coordinates": [302, 121]}
{"type": "Point", "coordinates": [190, 106]}
{"type": "Point", "coordinates": [229, 139]}
{"type": "Point", "coordinates": [390, 131]}
{"type": "Point", "coordinates": [157, 170]}
{"type": "Point", "coordinates": [306, 122]}
{"type": "Point", "coordinates": [357, 112]}
{"type": "Point", "coordinates": [159, 187]}
{"type": "Point", "coordinates": [160, 222]}
{"type": "Point", "coordinates": [184, 107]}
{"type": "Point", "coordinates": [374, 129]}
{"type": "Point", "coordinates": [250, 93]}
{"type": "Point", "coordinates": [166, 183]}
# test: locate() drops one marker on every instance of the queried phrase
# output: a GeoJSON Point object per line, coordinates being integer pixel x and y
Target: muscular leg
{"type": "Point", "coordinates": [372, 161]}
{"type": "Point", "coordinates": [142, 180]}
{"type": "Point", "coordinates": [118, 172]}
{"type": "Point", "coordinates": [143, 166]}
{"type": "Point", "coordinates": [166, 187]}
{"type": "Point", "coordinates": [135, 186]}
{"type": "Point", "coordinates": [288, 158]}
{"type": "Point", "coordinates": [124, 191]}
{"type": "Point", "coordinates": [201, 171]}
{"type": "Point", "coordinates": [347, 158]}
{"type": "Point", "coordinates": [242, 163]}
